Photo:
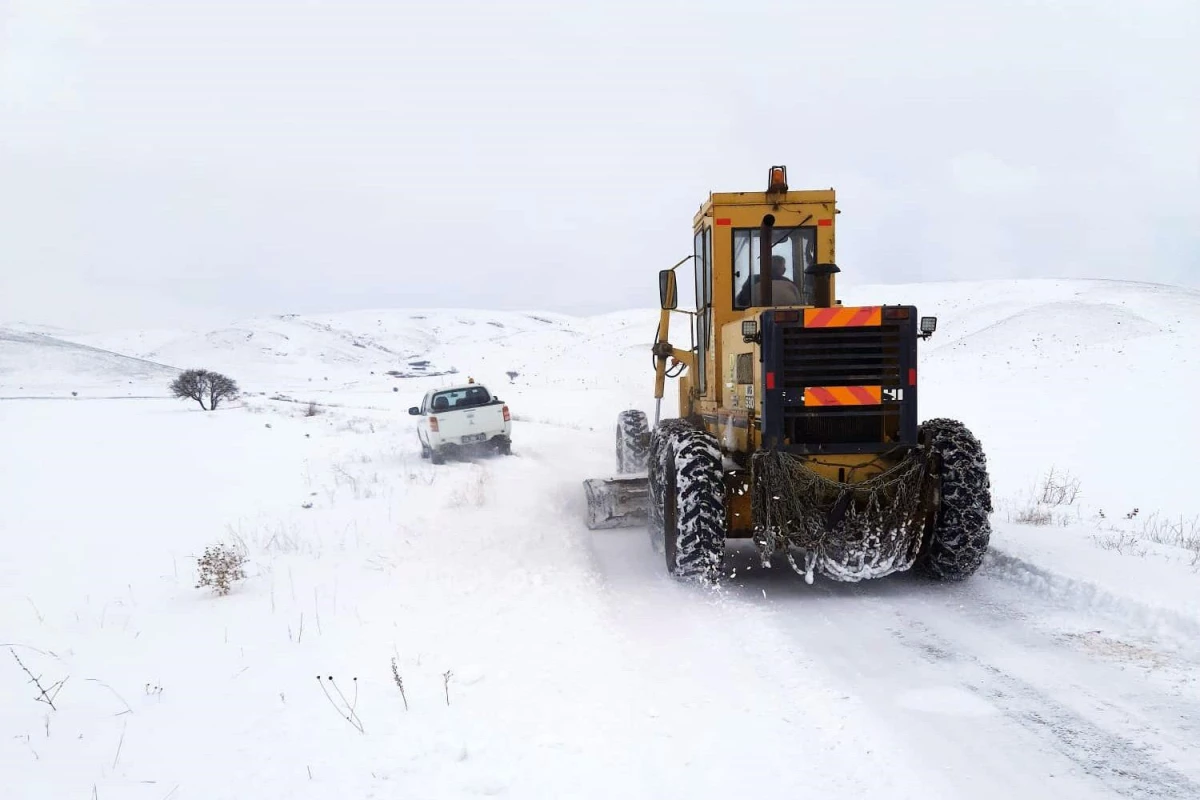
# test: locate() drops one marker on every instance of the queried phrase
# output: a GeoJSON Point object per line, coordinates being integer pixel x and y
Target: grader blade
{"type": "Point", "coordinates": [617, 502]}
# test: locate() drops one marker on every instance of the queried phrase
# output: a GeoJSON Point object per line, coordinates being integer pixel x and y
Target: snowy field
{"type": "Point", "coordinates": [539, 659]}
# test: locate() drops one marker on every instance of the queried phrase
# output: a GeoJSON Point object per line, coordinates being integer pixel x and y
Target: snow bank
{"type": "Point", "coordinates": [1153, 588]}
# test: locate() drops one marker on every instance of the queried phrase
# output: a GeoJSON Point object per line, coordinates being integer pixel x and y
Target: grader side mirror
{"type": "Point", "coordinates": [668, 297]}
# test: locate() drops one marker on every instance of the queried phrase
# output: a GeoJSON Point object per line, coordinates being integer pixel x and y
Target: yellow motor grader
{"type": "Point", "coordinates": [797, 423]}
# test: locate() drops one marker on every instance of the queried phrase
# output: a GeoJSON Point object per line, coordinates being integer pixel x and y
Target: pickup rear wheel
{"type": "Point", "coordinates": [437, 457]}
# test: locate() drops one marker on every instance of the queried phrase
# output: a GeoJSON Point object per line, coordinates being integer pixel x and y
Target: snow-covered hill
{"type": "Point", "coordinates": [39, 365]}
{"type": "Point", "coordinates": [539, 659]}
{"type": "Point", "coordinates": [561, 365]}
{"type": "Point", "coordinates": [1070, 375]}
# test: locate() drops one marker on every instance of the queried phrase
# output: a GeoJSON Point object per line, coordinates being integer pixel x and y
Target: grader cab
{"type": "Point", "coordinates": [797, 425]}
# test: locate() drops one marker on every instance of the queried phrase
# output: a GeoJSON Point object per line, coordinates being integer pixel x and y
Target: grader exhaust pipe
{"type": "Point", "coordinates": [823, 288]}
{"type": "Point", "coordinates": [766, 279]}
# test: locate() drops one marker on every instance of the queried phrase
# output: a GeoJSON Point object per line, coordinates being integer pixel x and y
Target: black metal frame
{"type": "Point", "coordinates": [883, 355]}
{"type": "Point", "coordinates": [733, 232]}
{"type": "Point", "coordinates": [703, 318]}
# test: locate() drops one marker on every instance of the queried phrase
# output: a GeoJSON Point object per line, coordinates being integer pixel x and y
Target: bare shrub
{"type": "Point", "coordinates": [1033, 515]}
{"type": "Point", "coordinates": [346, 709]}
{"type": "Point", "coordinates": [1121, 542]}
{"type": "Point", "coordinates": [1059, 489]}
{"type": "Point", "coordinates": [201, 385]}
{"type": "Point", "coordinates": [1183, 532]}
{"type": "Point", "coordinates": [1053, 502]}
{"type": "Point", "coordinates": [312, 410]}
{"type": "Point", "coordinates": [45, 694]}
{"type": "Point", "coordinates": [220, 566]}
{"type": "Point", "coordinates": [399, 682]}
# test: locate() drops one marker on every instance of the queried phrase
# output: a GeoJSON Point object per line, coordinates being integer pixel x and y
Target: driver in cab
{"type": "Point", "coordinates": [784, 292]}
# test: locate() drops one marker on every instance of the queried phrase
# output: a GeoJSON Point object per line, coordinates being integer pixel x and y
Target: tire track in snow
{"type": "Point", "coordinates": [1118, 761]}
{"type": "Point", "coordinates": [966, 671]}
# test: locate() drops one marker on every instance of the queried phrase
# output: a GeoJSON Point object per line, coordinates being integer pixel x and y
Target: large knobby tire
{"type": "Point", "coordinates": [960, 531]}
{"type": "Point", "coordinates": [692, 515]}
{"type": "Point", "coordinates": [654, 476]}
{"type": "Point", "coordinates": [633, 435]}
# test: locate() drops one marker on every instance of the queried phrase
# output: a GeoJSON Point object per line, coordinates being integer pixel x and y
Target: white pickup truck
{"type": "Point", "coordinates": [465, 417]}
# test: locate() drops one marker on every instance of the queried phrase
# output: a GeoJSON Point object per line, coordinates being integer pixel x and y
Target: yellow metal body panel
{"type": "Point", "coordinates": [731, 408]}
{"type": "Point", "coordinates": [721, 214]}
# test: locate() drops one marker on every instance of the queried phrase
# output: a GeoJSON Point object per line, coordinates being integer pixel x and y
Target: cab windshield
{"type": "Point", "coordinates": [793, 250]}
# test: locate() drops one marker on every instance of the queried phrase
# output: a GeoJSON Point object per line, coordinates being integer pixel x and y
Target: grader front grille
{"type": "Point", "coordinates": [854, 425]}
{"type": "Point", "coordinates": [839, 380]}
{"type": "Point", "coordinates": [841, 356]}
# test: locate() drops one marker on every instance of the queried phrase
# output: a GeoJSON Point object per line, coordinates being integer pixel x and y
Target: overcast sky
{"type": "Point", "coordinates": [165, 161]}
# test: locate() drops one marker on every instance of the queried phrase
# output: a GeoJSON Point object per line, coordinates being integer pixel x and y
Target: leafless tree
{"type": "Point", "coordinates": [202, 384]}
{"type": "Point", "coordinates": [220, 387]}
{"type": "Point", "coordinates": [190, 384]}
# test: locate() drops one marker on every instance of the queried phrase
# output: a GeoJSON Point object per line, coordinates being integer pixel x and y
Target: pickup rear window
{"type": "Point", "coordinates": [461, 398]}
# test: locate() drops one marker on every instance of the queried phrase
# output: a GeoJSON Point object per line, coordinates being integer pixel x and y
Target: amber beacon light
{"type": "Point", "coordinates": [778, 180]}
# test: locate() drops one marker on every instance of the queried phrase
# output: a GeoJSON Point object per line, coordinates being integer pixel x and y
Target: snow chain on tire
{"type": "Point", "coordinates": [691, 515]}
{"type": "Point", "coordinates": [654, 474]}
{"type": "Point", "coordinates": [961, 529]}
{"type": "Point", "coordinates": [632, 447]}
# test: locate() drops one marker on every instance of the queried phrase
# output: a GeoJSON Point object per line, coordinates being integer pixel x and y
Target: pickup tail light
{"type": "Point", "coordinates": [433, 424]}
{"type": "Point", "coordinates": [507, 416]}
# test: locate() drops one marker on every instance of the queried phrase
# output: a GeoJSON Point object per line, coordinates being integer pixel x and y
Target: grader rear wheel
{"type": "Point", "coordinates": [960, 531]}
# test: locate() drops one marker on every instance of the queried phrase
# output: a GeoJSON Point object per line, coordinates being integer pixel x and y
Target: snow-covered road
{"type": "Point", "coordinates": [985, 689]}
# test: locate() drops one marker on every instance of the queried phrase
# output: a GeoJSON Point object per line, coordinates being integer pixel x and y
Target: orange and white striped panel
{"type": "Point", "coordinates": [840, 317]}
{"type": "Point", "coordinates": [843, 395]}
